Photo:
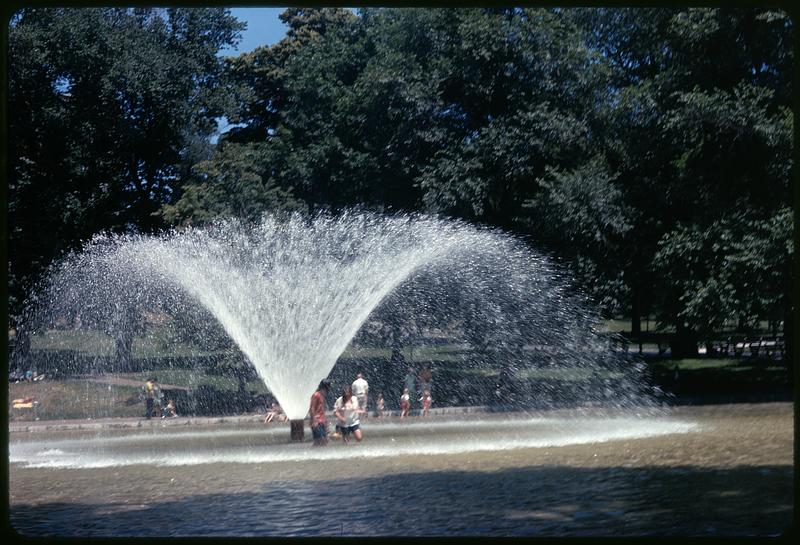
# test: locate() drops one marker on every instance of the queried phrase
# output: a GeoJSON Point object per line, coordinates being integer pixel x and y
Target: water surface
{"type": "Point", "coordinates": [724, 470]}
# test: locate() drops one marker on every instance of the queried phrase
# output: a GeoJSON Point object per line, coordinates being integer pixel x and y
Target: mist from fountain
{"type": "Point", "coordinates": [292, 292]}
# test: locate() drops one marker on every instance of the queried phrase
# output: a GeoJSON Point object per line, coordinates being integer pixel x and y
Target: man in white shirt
{"type": "Point", "coordinates": [360, 389]}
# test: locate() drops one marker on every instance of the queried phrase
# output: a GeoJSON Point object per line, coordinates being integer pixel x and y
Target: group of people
{"type": "Point", "coordinates": [351, 407]}
{"type": "Point", "coordinates": [405, 403]}
{"type": "Point", "coordinates": [154, 398]}
{"type": "Point", "coordinates": [30, 375]}
{"type": "Point", "coordinates": [346, 409]}
{"type": "Point", "coordinates": [411, 385]}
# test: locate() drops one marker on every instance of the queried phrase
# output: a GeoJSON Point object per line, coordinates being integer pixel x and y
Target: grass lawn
{"type": "Point", "coordinates": [189, 378]}
{"type": "Point", "coordinates": [75, 399]}
{"type": "Point", "coordinates": [158, 343]}
{"type": "Point", "coordinates": [700, 363]}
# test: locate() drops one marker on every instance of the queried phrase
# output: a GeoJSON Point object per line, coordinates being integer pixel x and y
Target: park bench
{"type": "Point", "coordinates": [770, 346]}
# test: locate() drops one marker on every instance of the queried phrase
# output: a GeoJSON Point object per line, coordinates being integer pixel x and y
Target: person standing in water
{"type": "Point", "coordinates": [426, 402]}
{"type": "Point", "coordinates": [380, 406]}
{"type": "Point", "coordinates": [317, 414]}
{"type": "Point", "coordinates": [405, 403]}
{"type": "Point", "coordinates": [347, 412]}
{"type": "Point", "coordinates": [408, 384]}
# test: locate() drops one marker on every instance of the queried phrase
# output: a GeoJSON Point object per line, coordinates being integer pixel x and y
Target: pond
{"type": "Point", "coordinates": [722, 470]}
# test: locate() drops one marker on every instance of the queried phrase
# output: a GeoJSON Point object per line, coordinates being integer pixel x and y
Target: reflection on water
{"type": "Point", "coordinates": [732, 475]}
{"type": "Point", "coordinates": [531, 501]}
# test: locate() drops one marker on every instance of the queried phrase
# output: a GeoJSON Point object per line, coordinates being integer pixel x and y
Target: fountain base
{"type": "Point", "coordinates": [297, 430]}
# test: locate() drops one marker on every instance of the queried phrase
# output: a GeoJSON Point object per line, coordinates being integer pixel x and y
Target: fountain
{"type": "Point", "coordinates": [292, 293]}
{"type": "Point", "coordinates": [568, 439]}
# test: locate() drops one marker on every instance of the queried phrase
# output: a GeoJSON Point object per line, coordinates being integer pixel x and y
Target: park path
{"type": "Point", "coordinates": [120, 381]}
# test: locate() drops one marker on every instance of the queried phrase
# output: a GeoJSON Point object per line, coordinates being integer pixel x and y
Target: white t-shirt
{"type": "Point", "coordinates": [360, 387]}
{"type": "Point", "coordinates": [350, 411]}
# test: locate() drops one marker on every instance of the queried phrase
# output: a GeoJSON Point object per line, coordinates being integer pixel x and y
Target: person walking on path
{"type": "Point", "coordinates": [347, 411]}
{"type": "Point", "coordinates": [149, 392]}
{"type": "Point", "coordinates": [360, 388]}
{"type": "Point", "coordinates": [317, 414]}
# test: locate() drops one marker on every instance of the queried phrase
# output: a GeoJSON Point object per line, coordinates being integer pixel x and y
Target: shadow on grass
{"type": "Point", "coordinates": [543, 501]}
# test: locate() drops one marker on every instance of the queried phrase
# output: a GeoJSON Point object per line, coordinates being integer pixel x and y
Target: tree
{"type": "Point", "coordinates": [254, 168]}
{"type": "Point", "coordinates": [234, 183]}
{"type": "Point", "coordinates": [586, 207]}
{"type": "Point", "coordinates": [106, 108]}
{"type": "Point", "coordinates": [614, 138]}
{"type": "Point", "coordinates": [734, 270]}
{"type": "Point", "coordinates": [698, 129]}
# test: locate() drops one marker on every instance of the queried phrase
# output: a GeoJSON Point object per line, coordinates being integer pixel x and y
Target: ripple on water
{"type": "Point", "coordinates": [216, 447]}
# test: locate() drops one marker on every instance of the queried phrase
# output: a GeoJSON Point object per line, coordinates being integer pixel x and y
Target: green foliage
{"type": "Point", "coordinates": [234, 183]}
{"type": "Point", "coordinates": [647, 148]}
{"type": "Point", "coordinates": [735, 269]}
{"type": "Point", "coordinates": [586, 208]}
{"type": "Point", "coordinates": [106, 108]}
{"type": "Point", "coordinates": [698, 131]}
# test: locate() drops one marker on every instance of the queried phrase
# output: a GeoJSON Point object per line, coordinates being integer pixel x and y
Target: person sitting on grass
{"type": "Point", "coordinates": [169, 410]}
{"type": "Point", "coordinates": [274, 412]}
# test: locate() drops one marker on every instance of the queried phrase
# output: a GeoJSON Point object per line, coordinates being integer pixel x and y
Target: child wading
{"type": "Point", "coordinates": [405, 403]}
{"type": "Point", "coordinates": [426, 403]}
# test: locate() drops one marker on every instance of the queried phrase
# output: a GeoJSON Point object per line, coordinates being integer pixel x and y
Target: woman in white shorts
{"type": "Point", "coordinates": [347, 414]}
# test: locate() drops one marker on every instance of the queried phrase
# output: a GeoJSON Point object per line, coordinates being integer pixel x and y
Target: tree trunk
{"type": "Point", "coordinates": [22, 348]}
{"type": "Point", "coordinates": [636, 313]}
{"type": "Point", "coordinates": [788, 342]}
{"type": "Point", "coordinates": [636, 316]}
{"type": "Point", "coordinates": [297, 430]}
{"type": "Point", "coordinates": [393, 381]}
{"type": "Point", "coordinates": [123, 352]}
{"type": "Point", "coordinates": [684, 343]}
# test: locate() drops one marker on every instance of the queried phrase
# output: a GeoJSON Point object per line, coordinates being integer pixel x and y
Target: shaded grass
{"type": "Point", "coordinates": [159, 343]}
{"type": "Point", "coordinates": [699, 363]}
{"type": "Point", "coordinates": [156, 343]}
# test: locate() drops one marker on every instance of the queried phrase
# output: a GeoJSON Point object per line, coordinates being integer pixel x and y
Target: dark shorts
{"type": "Point", "coordinates": [347, 430]}
{"type": "Point", "coordinates": [319, 432]}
